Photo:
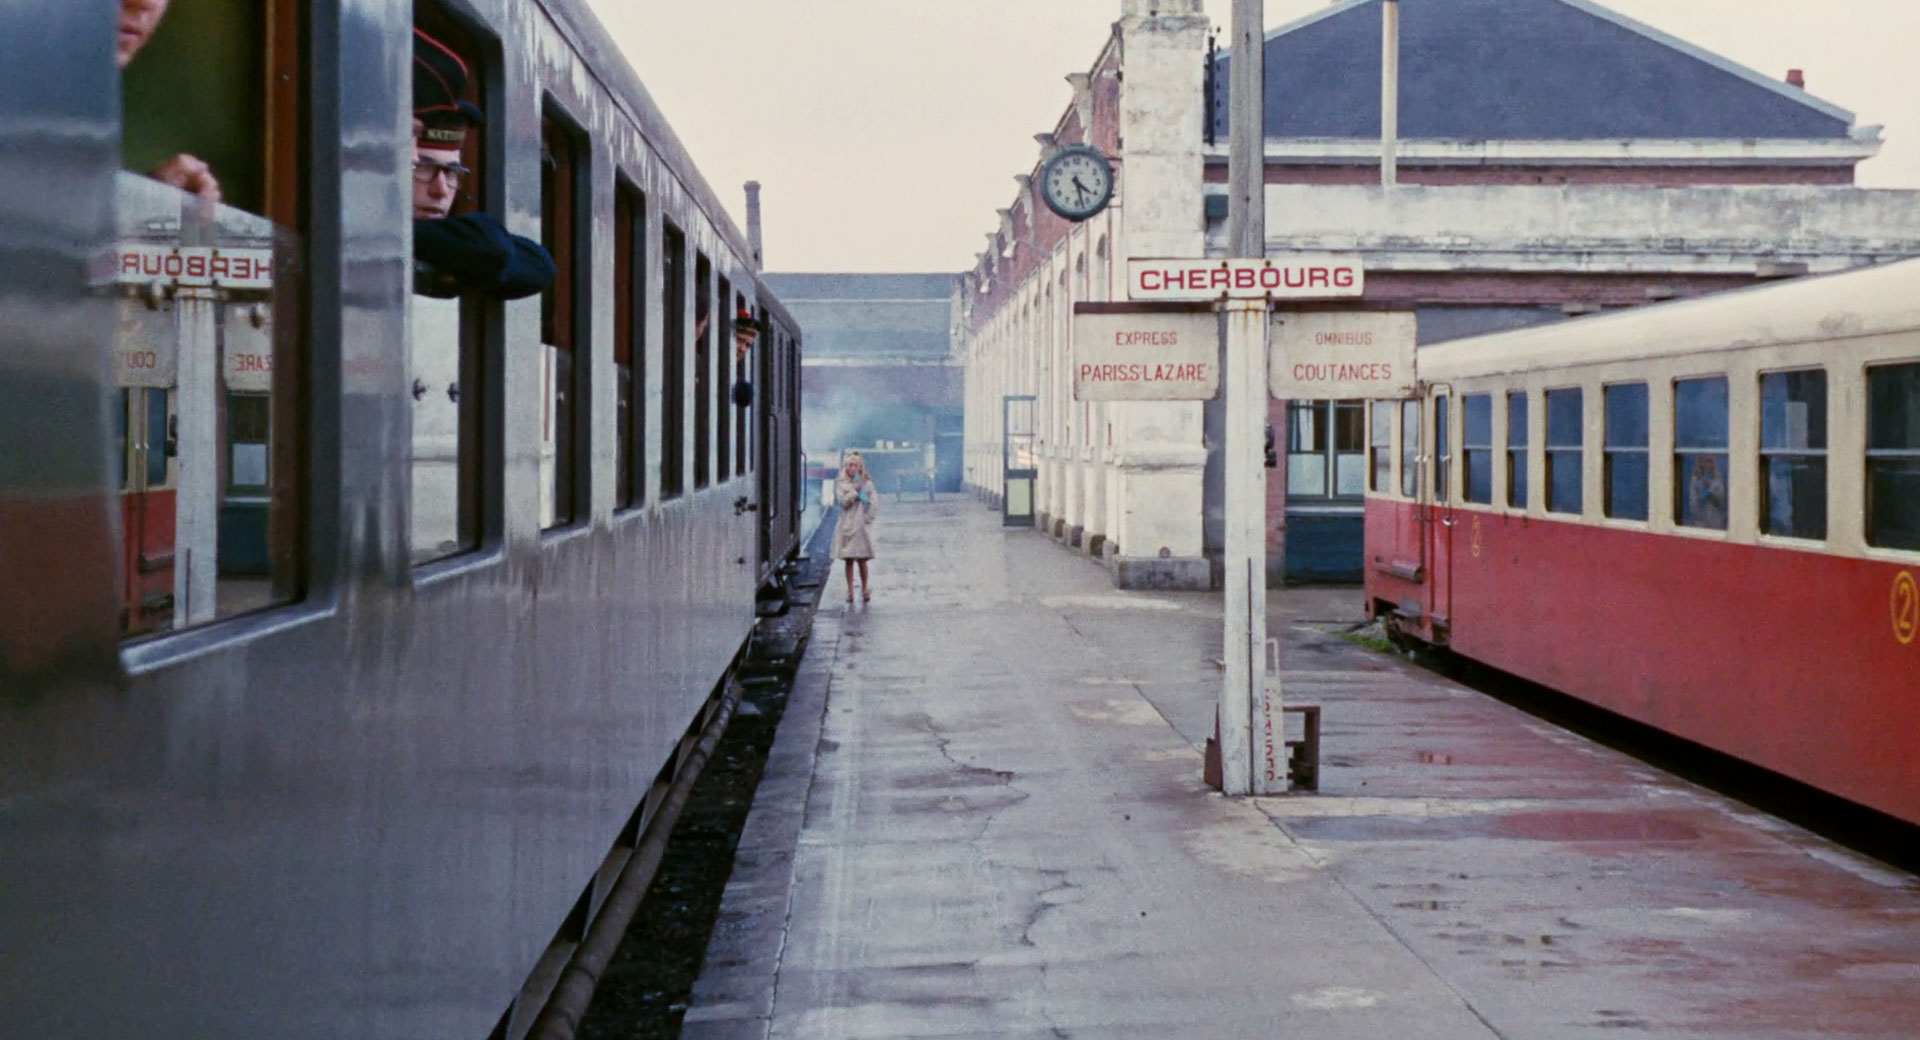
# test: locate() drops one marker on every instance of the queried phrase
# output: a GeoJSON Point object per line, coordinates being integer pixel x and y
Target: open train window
{"type": "Point", "coordinates": [1700, 453]}
{"type": "Point", "coordinates": [1442, 448]}
{"type": "Point", "coordinates": [210, 215]}
{"type": "Point", "coordinates": [447, 363]}
{"type": "Point", "coordinates": [565, 200]}
{"type": "Point", "coordinates": [1410, 448]}
{"type": "Point", "coordinates": [1566, 426]}
{"type": "Point", "coordinates": [1476, 447]}
{"type": "Point", "coordinates": [673, 363]}
{"type": "Point", "coordinates": [629, 344]}
{"type": "Point", "coordinates": [1793, 453]}
{"type": "Point", "coordinates": [1893, 456]}
{"type": "Point", "coordinates": [1624, 451]}
{"type": "Point", "coordinates": [1381, 477]}
{"type": "Point", "coordinates": [703, 331]}
{"type": "Point", "coordinates": [1517, 450]}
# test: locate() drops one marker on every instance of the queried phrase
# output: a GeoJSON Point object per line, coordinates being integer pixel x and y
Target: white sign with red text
{"type": "Point", "coordinates": [1336, 355]}
{"type": "Point", "coordinates": [247, 359]}
{"type": "Point", "coordinates": [1129, 354]}
{"type": "Point", "coordinates": [1299, 277]}
{"type": "Point", "coordinates": [146, 346]}
{"type": "Point", "coordinates": [193, 267]}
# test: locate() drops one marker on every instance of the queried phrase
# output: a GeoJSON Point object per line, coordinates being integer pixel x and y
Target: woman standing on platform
{"type": "Point", "coordinates": [853, 534]}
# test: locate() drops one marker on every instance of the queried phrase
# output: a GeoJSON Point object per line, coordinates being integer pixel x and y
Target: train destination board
{"type": "Point", "coordinates": [1342, 354]}
{"type": "Point", "coordinates": [1299, 277]}
{"type": "Point", "coordinates": [1126, 353]}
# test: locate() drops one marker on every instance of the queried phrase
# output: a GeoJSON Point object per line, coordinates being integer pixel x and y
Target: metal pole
{"type": "Point", "coordinates": [1245, 390]}
{"type": "Point", "coordinates": [1389, 93]}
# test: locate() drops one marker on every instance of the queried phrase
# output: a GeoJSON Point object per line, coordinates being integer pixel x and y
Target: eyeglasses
{"type": "Point", "coordinates": [425, 170]}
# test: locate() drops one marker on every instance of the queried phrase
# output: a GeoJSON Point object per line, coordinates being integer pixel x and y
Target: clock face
{"type": "Point", "coordinates": [1077, 182]}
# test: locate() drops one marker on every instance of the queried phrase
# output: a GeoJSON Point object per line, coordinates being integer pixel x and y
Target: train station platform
{"type": "Point", "coordinates": [984, 817]}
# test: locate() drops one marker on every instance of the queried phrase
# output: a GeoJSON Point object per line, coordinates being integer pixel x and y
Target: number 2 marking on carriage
{"type": "Point", "coordinates": [1906, 608]}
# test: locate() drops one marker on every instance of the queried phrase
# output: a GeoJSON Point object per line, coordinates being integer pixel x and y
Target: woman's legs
{"type": "Point", "coordinates": [849, 581]}
{"type": "Point", "coordinates": [864, 592]}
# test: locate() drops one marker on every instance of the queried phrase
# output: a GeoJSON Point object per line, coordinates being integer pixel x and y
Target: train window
{"type": "Point", "coordinates": [565, 200]}
{"type": "Point", "coordinates": [1565, 429]}
{"type": "Point", "coordinates": [1893, 456]}
{"type": "Point", "coordinates": [1793, 453]}
{"type": "Point", "coordinates": [1700, 453]}
{"type": "Point", "coordinates": [1442, 448]}
{"type": "Point", "coordinates": [723, 381]}
{"type": "Point", "coordinates": [1410, 448]}
{"type": "Point", "coordinates": [1624, 451]}
{"type": "Point", "coordinates": [207, 352]}
{"type": "Point", "coordinates": [673, 363]}
{"type": "Point", "coordinates": [702, 371]}
{"type": "Point", "coordinates": [447, 334]}
{"type": "Point", "coordinates": [1517, 450]}
{"type": "Point", "coordinates": [1382, 447]}
{"type": "Point", "coordinates": [1476, 447]}
{"type": "Point", "coordinates": [742, 425]}
{"type": "Point", "coordinates": [629, 344]}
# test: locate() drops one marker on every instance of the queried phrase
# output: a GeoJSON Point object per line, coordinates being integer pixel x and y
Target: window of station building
{"type": "Point", "coordinates": [1476, 447]}
{"type": "Point", "coordinates": [1517, 450]}
{"type": "Point", "coordinates": [1793, 453]}
{"type": "Point", "coordinates": [1380, 477]}
{"type": "Point", "coordinates": [1700, 453]}
{"type": "Point", "coordinates": [723, 381]}
{"type": "Point", "coordinates": [1410, 448]}
{"type": "Point", "coordinates": [1442, 449]}
{"type": "Point", "coordinates": [1624, 451]}
{"type": "Point", "coordinates": [1893, 456]}
{"type": "Point", "coordinates": [448, 367]}
{"type": "Point", "coordinates": [703, 330]}
{"type": "Point", "coordinates": [1326, 449]}
{"type": "Point", "coordinates": [1565, 440]}
{"type": "Point", "coordinates": [673, 363]}
{"type": "Point", "coordinates": [629, 344]}
{"type": "Point", "coordinates": [208, 352]}
{"type": "Point", "coordinates": [565, 202]}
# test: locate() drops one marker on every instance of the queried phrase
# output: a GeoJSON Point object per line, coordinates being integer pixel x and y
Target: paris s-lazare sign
{"type": "Point", "coordinates": [1126, 352]}
{"type": "Point", "coordinates": [1288, 277]}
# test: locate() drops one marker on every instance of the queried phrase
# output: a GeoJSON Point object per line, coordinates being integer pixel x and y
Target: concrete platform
{"type": "Point", "coordinates": [984, 818]}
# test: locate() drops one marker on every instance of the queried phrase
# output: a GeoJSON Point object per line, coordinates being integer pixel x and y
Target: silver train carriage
{"type": "Point", "coordinates": [346, 635]}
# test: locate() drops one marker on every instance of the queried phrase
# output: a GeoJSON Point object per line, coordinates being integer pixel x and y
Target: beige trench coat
{"type": "Point", "coordinates": [853, 534]}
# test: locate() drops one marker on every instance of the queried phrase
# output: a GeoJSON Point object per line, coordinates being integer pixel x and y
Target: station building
{"type": "Point", "coordinates": [1555, 159]}
{"type": "Point", "coordinates": [879, 373]}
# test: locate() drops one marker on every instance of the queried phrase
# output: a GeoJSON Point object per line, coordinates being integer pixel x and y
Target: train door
{"type": "Point", "coordinates": [1439, 514]}
{"type": "Point", "coordinates": [146, 365]}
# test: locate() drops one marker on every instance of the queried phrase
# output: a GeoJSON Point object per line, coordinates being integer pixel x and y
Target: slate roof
{"type": "Point", "coordinates": [1519, 70]}
{"type": "Point", "coordinates": [790, 287]}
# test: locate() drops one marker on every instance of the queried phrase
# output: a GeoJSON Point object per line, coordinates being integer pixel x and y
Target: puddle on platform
{"type": "Point", "coordinates": [1529, 826]}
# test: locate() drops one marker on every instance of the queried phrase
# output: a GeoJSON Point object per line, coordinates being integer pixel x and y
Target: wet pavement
{"type": "Point", "coordinates": [983, 817]}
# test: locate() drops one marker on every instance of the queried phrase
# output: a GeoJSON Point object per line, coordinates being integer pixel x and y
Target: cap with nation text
{"type": "Point", "coordinates": [439, 80]}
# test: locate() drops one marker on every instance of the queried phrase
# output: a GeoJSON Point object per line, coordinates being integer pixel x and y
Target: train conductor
{"type": "Point", "coordinates": [471, 253]}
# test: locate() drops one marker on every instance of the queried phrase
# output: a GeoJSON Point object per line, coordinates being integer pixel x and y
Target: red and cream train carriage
{"type": "Point", "coordinates": [1703, 516]}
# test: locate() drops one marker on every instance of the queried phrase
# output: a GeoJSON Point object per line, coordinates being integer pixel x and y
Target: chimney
{"type": "Point", "coordinates": [753, 225]}
{"type": "Point", "coordinates": [1796, 78]}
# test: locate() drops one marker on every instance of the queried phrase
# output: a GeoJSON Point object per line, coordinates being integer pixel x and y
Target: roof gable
{"type": "Point", "coordinates": [1520, 70]}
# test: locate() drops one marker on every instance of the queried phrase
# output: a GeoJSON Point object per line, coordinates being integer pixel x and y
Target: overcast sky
{"type": "Point", "coordinates": [886, 133]}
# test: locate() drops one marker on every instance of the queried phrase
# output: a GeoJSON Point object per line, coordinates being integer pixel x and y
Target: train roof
{"type": "Point", "coordinates": [1846, 305]}
{"type": "Point", "coordinates": [608, 64]}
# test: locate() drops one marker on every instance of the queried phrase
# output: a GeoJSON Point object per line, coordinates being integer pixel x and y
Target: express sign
{"type": "Point", "coordinates": [1124, 353]}
{"type": "Point", "coordinates": [1342, 354]}
{"type": "Point", "coordinates": [1281, 278]}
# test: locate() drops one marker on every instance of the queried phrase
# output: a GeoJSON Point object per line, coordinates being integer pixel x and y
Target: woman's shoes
{"type": "Point", "coordinates": [865, 595]}
{"type": "Point", "coordinates": [849, 595]}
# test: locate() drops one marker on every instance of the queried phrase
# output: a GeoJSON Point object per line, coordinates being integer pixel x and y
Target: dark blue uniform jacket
{"type": "Point", "coordinates": [473, 254]}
